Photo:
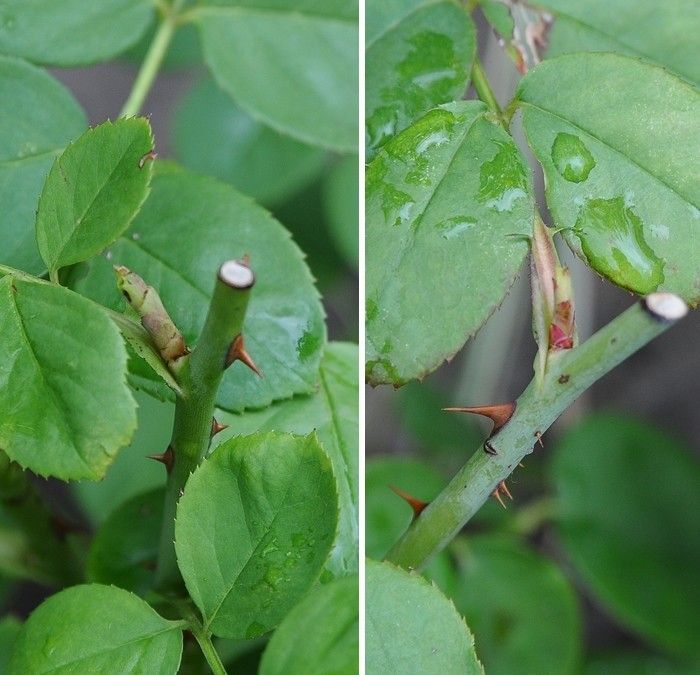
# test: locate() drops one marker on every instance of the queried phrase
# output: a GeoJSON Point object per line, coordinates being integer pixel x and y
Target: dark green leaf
{"type": "Point", "coordinates": [412, 628]}
{"type": "Point", "coordinates": [341, 195]}
{"type": "Point", "coordinates": [333, 413]}
{"type": "Point", "coordinates": [71, 32]}
{"type": "Point", "coordinates": [618, 140]}
{"type": "Point", "coordinates": [419, 55]}
{"type": "Point", "coordinates": [626, 495]}
{"type": "Point", "coordinates": [125, 550]}
{"type": "Point", "coordinates": [387, 515]}
{"type": "Point", "coordinates": [293, 67]}
{"type": "Point", "coordinates": [664, 32]}
{"type": "Point", "coordinates": [189, 226]}
{"type": "Point", "coordinates": [212, 136]}
{"type": "Point", "coordinates": [9, 630]}
{"type": "Point", "coordinates": [66, 407]}
{"type": "Point", "coordinates": [320, 635]}
{"type": "Point", "coordinates": [93, 191]}
{"type": "Point", "coordinates": [131, 473]}
{"type": "Point", "coordinates": [97, 629]}
{"type": "Point", "coordinates": [636, 663]}
{"type": "Point", "coordinates": [40, 117]}
{"type": "Point", "coordinates": [449, 207]}
{"type": "Point", "coordinates": [519, 605]}
{"type": "Point", "coordinates": [254, 528]}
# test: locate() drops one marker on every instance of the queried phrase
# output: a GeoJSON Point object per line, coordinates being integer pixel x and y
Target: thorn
{"type": "Point", "coordinates": [416, 504]}
{"type": "Point", "coordinates": [538, 434]}
{"type": "Point", "coordinates": [498, 414]}
{"type": "Point", "coordinates": [166, 458]}
{"type": "Point", "coordinates": [502, 488]}
{"type": "Point", "coordinates": [521, 465]}
{"type": "Point", "coordinates": [217, 426]}
{"type": "Point", "coordinates": [237, 352]}
{"type": "Point", "coordinates": [489, 449]}
{"type": "Point", "coordinates": [152, 154]}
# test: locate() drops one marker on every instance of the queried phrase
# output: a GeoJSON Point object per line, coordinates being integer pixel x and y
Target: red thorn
{"type": "Point", "coordinates": [166, 458]}
{"type": "Point", "coordinates": [237, 352]}
{"type": "Point", "coordinates": [499, 414]}
{"type": "Point", "coordinates": [416, 504]}
{"type": "Point", "coordinates": [217, 426]}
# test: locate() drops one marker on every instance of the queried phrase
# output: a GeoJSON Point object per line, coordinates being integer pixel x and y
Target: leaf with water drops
{"type": "Point", "coordinates": [320, 635]}
{"type": "Point", "coordinates": [66, 408]}
{"type": "Point", "coordinates": [619, 140]}
{"type": "Point", "coordinates": [418, 55]}
{"type": "Point", "coordinates": [213, 136]}
{"type": "Point", "coordinates": [190, 225]}
{"type": "Point", "coordinates": [71, 32]}
{"type": "Point", "coordinates": [40, 118]}
{"type": "Point", "coordinates": [97, 629]}
{"type": "Point", "coordinates": [625, 491]}
{"type": "Point", "coordinates": [254, 528]}
{"type": "Point", "coordinates": [449, 210]}
{"type": "Point", "coordinates": [663, 32]}
{"type": "Point", "coordinates": [291, 64]}
{"type": "Point", "coordinates": [412, 627]}
{"type": "Point", "coordinates": [333, 413]}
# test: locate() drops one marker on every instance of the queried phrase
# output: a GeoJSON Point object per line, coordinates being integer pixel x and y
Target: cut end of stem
{"type": "Point", "coordinates": [236, 274]}
{"type": "Point", "coordinates": [665, 307]}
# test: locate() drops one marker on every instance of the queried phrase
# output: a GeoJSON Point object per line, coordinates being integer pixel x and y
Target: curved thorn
{"type": "Point", "coordinates": [416, 504]}
{"type": "Point", "coordinates": [499, 414]}
{"type": "Point", "coordinates": [237, 352]}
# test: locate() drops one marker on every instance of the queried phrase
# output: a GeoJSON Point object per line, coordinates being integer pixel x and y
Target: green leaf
{"type": "Point", "coordinates": [125, 550]}
{"type": "Point", "coordinates": [93, 191]}
{"type": "Point", "coordinates": [97, 629]}
{"type": "Point", "coordinates": [131, 473]}
{"type": "Point", "coordinates": [341, 190]}
{"type": "Point", "coordinates": [320, 635]}
{"type": "Point", "coordinates": [626, 493]}
{"type": "Point", "coordinates": [519, 605]}
{"type": "Point", "coordinates": [253, 530]}
{"type": "Point", "coordinates": [333, 413]}
{"type": "Point", "coordinates": [66, 407]}
{"type": "Point", "coordinates": [412, 628]}
{"type": "Point", "coordinates": [40, 118]}
{"type": "Point", "coordinates": [303, 53]}
{"type": "Point", "coordinates": [9, 630]}
{"type": "Point", "coordinates": [212, 136]}
{"type": "Point", "coordinates": [387, 515]}
{"type": "Point", "coordinates": [618, 140]}
{"type": "Point", "coordinates": [419, 54]}
{"type": "Point", "coordinates": [71, 32]}
{"type": "Point", "coordinates": [499, 16]}
{"type": "Point", "coordinates": [189, 226]}
{"type": "Point", "coordinates": [449, 207]}
{"type": "Point", "coordinates": [664, 32]}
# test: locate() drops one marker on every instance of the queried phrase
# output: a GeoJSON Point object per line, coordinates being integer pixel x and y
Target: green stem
{"type": "Point", "coordinates": [569, 374]}
{"type": "Point", "coordinates": [199, 380]}
{"type": "Point", "coordinates": [483, 89]}
{"type": "Point", "coordinates": [153, 61]}
{"type": "Point", "coordinates": [210, 653]}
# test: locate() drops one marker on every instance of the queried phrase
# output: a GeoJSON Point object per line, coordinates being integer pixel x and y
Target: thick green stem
{"type": "Point", "coordinates": [199, 380]}
{"type": "Point", "coordinates": [210, 653]}
{"type": "Point", "coordinates": [48, 557]}
{"type": "Point", "coordinates": [153, 61]}
{"type": "Point", "coordinates": [569, 374]}
{"type": "Point", "coordinates": [484, 91]}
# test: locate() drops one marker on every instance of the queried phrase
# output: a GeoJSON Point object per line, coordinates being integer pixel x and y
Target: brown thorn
{"type": "Point", "coordinates": [499, 414]}
{"type": "Point", "coordinates": [166, 458]}
{"type": "Point", "coordinates": [217, 426]}
{"type": "Point", "coordinates": [416, 504]}
{"type": "Point", "coordinates": [497, 495]}
{"type": "Point", "coordinates": [504, 488]}
{"type": "Point", "coordinates": [237, 352]}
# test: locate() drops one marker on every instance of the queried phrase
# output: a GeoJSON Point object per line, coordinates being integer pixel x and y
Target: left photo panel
{"type": "Point", "coordinates": [179, 444]}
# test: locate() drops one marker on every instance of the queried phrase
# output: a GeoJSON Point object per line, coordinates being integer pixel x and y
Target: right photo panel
{"type": "Point", "coordinates": [532, 263]}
